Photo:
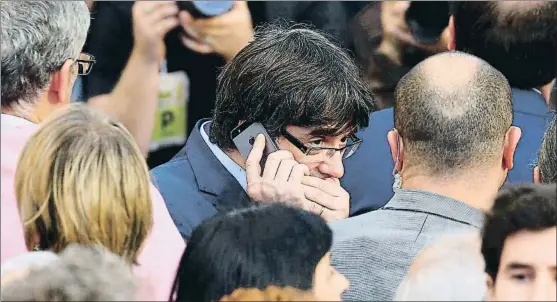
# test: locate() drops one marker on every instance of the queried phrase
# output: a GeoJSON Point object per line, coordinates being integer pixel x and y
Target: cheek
{"type": "Point", "coordinates": [505, 290]}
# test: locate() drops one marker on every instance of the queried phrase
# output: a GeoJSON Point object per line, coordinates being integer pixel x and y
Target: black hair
{"type": "Point", "coordinates": [519, 42]}
{"type": "Point", "coordinates": [519, 207]}
{"type": "Point", "coordinates": [291, 76]}
{"type": "Point", "coordinates": [450, 119]}
{"type": "Point", "coordinates": [251, 248]}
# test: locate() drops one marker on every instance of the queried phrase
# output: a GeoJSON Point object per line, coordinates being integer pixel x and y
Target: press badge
{"type": "Point", "coordinates": [170, 120]}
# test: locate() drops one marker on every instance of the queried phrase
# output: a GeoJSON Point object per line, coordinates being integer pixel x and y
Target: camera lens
{"type": "Point", "coordinates": [212, 8]}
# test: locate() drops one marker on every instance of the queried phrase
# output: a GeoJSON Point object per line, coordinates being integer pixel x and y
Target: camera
{"type": "Point", "coordinates": [427, 20]}
{"type": "Point", "coordinates": [205, 9]}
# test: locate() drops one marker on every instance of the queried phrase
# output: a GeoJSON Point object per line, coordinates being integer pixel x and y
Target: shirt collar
{"type": "Point", "coordinates": [427, 202]}
{"type": "Point", "coordinates": [14, 121]}
{"type": "Point", "coordinates": [233, 168]}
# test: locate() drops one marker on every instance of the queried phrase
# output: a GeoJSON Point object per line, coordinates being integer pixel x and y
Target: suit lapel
{"type": "Point", "coordinates": [212, 177]}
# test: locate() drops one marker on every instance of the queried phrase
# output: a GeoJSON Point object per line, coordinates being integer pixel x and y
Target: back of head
{"type": "Point", "coordinates": [252, 248]}
{"type": "Point", "coordinates": [80, 274]}
{"type": "Point", "coordinates": [547, 156]}
{"type": "Point", "coordinates": [525, 207]}
{"type": "Point", "coordinates": [290, 76]}
{"type": "Point", "coordinates": [18, 267]}
{"type": "Point", "coordinates": [452, 111]}
{"type": "Point", "coordinates": [451, 269]}
{"type": "Point", "coordinates": [82, 179]}
{"type": "Point", "coordinates": [519, 38]}
{"type": "Point", "coordinates": [37, 38]}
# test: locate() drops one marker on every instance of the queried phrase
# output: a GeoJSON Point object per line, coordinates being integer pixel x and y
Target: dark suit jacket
{"type": "Point", "coordinates": [196, 186]}
{"type": "Point", "coordinates": [369, 178]}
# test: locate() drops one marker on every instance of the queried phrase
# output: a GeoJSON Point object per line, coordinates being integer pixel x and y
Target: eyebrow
{"type": "Point", "coordinates": [517, 265]}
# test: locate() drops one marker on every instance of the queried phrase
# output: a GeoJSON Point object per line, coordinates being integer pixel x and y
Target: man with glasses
{"type": "Point", "coordinates": [308, 95]}
{"type": "Point", "coordinates": [41, 59]}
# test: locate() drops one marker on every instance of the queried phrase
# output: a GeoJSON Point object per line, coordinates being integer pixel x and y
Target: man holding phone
{"type": "Point", "coordinates": [291, 90]}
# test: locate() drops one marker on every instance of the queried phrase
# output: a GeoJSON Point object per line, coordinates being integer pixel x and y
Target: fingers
{"type": "Point", "coordinates": [196, 46]}
{"type": "Point", "coordinates": [328, 187]}
{"type": "Point", "coordinates": [297, 173]}
{"type": "Point", "coordinates": [253, 168]}
{"type": "Point", "coordinates": [273, 162]}
{"type": "Point", "coordinates": [285, 169]}
{"type": "Point", "coordinates": [238, 11]}
{"type": "Point", "coordinates": [319, 197]}
{"type": "Point", "coordinates": [164, 26]}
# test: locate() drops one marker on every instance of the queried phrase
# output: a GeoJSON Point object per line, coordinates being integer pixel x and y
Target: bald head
{"type": "Point", "coordinates": [518, 38]}
{"type": "Point", "coordinates": [452, 111]}
{"type": "Point", "coordinates": [451, 269]}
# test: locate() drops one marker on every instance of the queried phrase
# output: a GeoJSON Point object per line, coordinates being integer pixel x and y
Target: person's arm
{"type": "Point", "coordinates": [134, 99]}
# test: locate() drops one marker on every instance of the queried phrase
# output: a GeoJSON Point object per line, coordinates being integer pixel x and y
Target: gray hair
{"type": "Point", "coordinates": [19, 265]}
{"type": "Point", "coordinates": [547, 155]}
{"type": "Point", "coordinates": [450, 270]}
{"type": "Point", "coordinates": [37, 37]}
{"type": "Point", "coordinates": [80, 274]}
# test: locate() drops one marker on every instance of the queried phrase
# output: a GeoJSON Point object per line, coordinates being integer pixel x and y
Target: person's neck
{"type": "Point", "coordinates": [546, 91]}
{"type": "Point", "coordinates": [477, 191]}
{"type": "Point", "coordinates": [30, 115]}
{"type": "Point", "coordinates": [236, 157]}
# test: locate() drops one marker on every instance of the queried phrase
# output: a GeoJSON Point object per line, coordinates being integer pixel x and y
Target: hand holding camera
{"type": "Point", "coordinates": [224, 34]}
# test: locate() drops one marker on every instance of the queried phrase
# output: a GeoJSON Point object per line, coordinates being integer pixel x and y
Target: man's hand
{"type": "Point", "coordinates": [281, 180]}
{"type": "Point", "coordinates": [152, 20]}
{"type": "Point", "coordinates": [225, 35]}
{"type": "Point", "coordinates": [332, 200]}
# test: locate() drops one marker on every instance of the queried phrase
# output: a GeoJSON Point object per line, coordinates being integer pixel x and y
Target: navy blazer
{"type": "Point", "coordinates": [368, 177]}
{"type": "Point", "coordinates": [196, 186]}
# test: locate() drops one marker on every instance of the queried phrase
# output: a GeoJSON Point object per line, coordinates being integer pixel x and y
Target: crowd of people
{"type": "Point", "coordinates": [391, 161]}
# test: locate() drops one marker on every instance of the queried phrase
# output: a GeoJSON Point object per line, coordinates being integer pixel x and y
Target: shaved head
{"type": "Point", "coordinates": [519, 38]}
{"type": "Point", "coordinates": [452, 112]}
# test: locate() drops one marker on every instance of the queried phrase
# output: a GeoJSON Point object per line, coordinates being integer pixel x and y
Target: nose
{"type": "Point", "coordinates": [333, 167]}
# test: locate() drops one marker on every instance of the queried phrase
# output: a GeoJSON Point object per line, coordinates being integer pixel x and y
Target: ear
{"type": "Point", "coordinates": [397, 148]}
{"type": "Point", "coordinates": [452, 38]}
{"type": "Point", "coordinates": [537, 175]}
{"type": "Point", "coordinates": [60, 84]}
{"type": "Point", "coordinates": [511, 141]}
{"type": "Point", "coordinates": [490, 288]}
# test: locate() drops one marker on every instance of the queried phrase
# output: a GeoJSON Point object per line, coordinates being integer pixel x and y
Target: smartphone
{"type": "Point", "coordinates": [244, 136]}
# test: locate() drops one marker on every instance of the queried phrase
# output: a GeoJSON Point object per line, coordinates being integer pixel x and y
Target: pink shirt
{"type": "Point", "coordinates": [164, 246]}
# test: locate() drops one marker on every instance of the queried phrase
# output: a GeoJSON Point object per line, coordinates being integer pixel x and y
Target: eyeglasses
{"type": "Point", "coordinates": [351, 146]}
{"type": "Point", "coordinates": [85, 63]}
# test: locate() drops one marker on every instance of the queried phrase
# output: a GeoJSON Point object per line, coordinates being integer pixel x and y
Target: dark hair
{"type": "Point", "coordinates": [251, 248]}
{"type": "Point", "coordinates": [521, 43]}
{"type": "Point", "coordinates": [547, 155]}
{"type": "Point", "coordinates": [452, 111]}
{"type": "Point", "coordinates": [290, 76]}
{"type": "Point", "coordinates": [517, 208]}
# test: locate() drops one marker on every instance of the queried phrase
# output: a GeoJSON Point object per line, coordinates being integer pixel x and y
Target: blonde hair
{"type": "Point", "coordinates": [271, 293]}
{"type": "Point", "coordinates": [82, 179]}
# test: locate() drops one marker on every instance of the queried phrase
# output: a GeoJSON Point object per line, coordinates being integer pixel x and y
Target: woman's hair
{"type": "Point", "coordinates": [547, 155]}
{"type": "Point", "coordinates": [251, 248]}
{"type": "Point", "coordinates": [82, 179]}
